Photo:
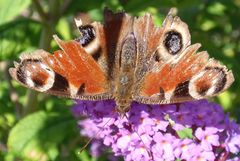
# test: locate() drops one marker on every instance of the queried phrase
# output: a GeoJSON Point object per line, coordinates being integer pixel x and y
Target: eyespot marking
{"type": "Point", "coordinates": [173, 42]}
{"type": "Point", "coordinates": [222, 78]}
{"type": "Point", "coordinates": [87, 35]}
{"type": "Point", "coordinates": [21, 70]}
{"type": "Point", "coordinates": [208, 82]}
{"type": "Point", "coordinates": [35, 74]}
{"type": "Point", "coordinates": [202, 87]}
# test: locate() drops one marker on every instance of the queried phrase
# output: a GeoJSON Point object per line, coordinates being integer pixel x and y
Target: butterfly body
{"type": "Point", "coordinates": [127, 64]}
{"type": "Point", "coordinates": [126, 59]}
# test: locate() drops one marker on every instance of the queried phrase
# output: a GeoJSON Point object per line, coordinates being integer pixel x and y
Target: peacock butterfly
{"type": "Point", "coordinates": [126, 59]}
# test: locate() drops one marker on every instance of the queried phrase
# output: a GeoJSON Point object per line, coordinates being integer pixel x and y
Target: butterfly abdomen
{"type": "Point", "coordinates": [125, 81]}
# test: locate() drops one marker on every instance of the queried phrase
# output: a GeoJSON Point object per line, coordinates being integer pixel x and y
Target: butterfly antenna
{"type": "Point", "coordinates": [85, 146]}
{"type": "Point", "coordinates": [96, 135]}
{"type": "Point", "coordinates": [147, 149]}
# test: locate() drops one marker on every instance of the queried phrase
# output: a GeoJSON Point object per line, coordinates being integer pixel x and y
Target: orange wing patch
{"type": "Point", "coordinates": [167, 76]}
{"type": "Point", "coordinates": [77, 67]}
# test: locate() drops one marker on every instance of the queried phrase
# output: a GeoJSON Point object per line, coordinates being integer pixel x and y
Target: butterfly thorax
{"type": "Point", "coordinates": [125, 80]}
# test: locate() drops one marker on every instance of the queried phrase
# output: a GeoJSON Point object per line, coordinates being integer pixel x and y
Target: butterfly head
{"type": "Point", "coordinates": [121, 109]}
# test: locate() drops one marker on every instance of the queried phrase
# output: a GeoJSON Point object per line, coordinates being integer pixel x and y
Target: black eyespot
{"type": "Point", "coordinates": [88, 34]}
{"type": "Point", "coordinates": [222, 78]}
{"type": "Point", "coordinates": [173, 42]}
{"type": "Point", "coordinates": [38, 82]}
{"type": "Point", "coordinates": [21, 76]}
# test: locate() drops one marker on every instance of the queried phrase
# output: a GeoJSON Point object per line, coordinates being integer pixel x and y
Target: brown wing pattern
{"type": "Point", "coordinates": [69, 72]}
{"type": "Point", "coordinates": [180, 73]}
{"type": "Point", "coordinates": [147, 35]}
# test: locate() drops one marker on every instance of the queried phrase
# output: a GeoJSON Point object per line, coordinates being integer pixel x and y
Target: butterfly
{"type": "Point", "coordinates": [127, 59]}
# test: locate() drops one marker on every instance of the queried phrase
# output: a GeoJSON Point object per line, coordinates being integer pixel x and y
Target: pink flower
{"type": "Point", "coordinates": [184, 148]}
{"type": "Point", "coordinates": [208, 137]}
{"type": "Point", "coordinates": [192, 131]}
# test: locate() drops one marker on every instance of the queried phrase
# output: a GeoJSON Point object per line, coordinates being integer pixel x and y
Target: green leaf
{"type": "Point", "coordinates": [10, 9]}
{"type": "Point", "coordinates": [226, 100]}
{"type": "Point", "coordinates": [82, 155]}
{"type": "Point", "coordinates": [64, 29]}
{"type": "Point", "coordinates": [185, 133]}
{"type": "Point", "coordinates": [18, 36]}
{"type": "Point", "coordinates": [96, 14]}
{"type": "Point", "coordinates": [38, 135]}
{"type": "Point", "coordinates": [208, 25]}
{"type": "Point", "coordinates": [216, 9]}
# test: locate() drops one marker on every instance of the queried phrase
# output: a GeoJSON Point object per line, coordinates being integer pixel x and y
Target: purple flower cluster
{"type": "Point", "coordinates": [194, 131]}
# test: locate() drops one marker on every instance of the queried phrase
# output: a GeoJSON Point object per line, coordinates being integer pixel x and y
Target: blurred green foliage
{"type": "Point", "coordinates": [35, 126]}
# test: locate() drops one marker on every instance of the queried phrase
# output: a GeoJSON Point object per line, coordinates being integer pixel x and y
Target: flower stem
{"type": "Point", "coordinates": [49, 21]}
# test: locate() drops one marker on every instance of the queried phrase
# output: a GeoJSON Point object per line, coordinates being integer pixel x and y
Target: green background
{"type": "Point", "coordinates": [36, 126]}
